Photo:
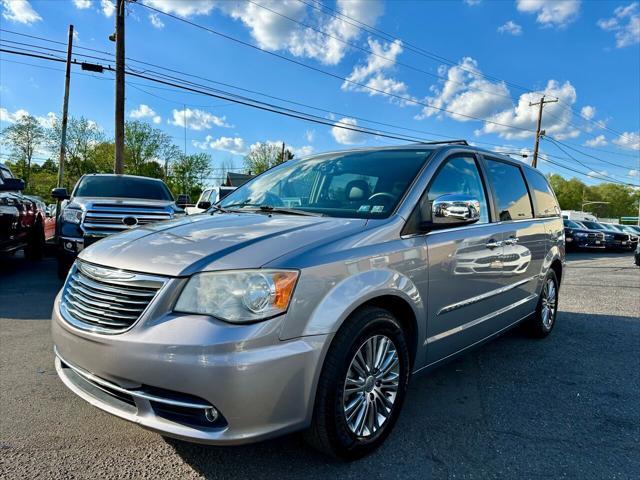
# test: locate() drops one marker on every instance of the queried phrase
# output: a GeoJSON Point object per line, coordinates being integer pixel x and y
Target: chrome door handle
{"type": "Point", "coordinates": [491, 244]}
{"type": "Point", "coordinates": [511, 241]}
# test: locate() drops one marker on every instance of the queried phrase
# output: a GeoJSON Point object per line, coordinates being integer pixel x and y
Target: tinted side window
{"type": "Point", "coordinates": [543, 197]}
{"type": "Point", "coordinates": [512, 197]}
{"type": "Point", "coordinates": [459, 175]}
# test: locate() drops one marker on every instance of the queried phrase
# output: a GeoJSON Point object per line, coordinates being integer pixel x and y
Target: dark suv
{"type": "Point", "coordinates": [21, 218]}
{"type": "Point", "coordinates": [614, 239]}
{"type": "Point", "coordinates": [102, 204]}
{"type": "Point", "coordinates": [578, 236]}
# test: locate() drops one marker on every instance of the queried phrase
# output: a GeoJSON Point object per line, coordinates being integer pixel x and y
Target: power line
{"type": "Point", "coordinates": [416, 49]}
{"type": "Point", "coordinates": [587, 154]}
{"type": "Point", "coordinates": [327, 73]}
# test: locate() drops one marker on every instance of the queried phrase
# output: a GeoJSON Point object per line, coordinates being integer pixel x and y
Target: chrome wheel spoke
{"type": "Point", "coordinates": [370, 389]}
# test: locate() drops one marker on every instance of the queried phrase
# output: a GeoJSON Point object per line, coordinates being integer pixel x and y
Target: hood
{"type": "Point", "coordinates": [86, 202]}
{"type": "Point", "coordinates": [215, 242]}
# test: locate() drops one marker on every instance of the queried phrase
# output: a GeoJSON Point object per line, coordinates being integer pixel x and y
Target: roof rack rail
{"type": "Point", "coordinates": [444, 142]}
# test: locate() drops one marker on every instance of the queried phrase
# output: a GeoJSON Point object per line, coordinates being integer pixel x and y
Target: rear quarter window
{"type": "Point", "coordinates": [512, 196]}
{"type": "Point", "coordinates": [544, 200]}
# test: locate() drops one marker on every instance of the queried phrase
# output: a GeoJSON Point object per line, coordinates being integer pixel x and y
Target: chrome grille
{"type": "Point", "coordinates": [104, 219]}
{"type": "Point", "coordinates": [106, 300]}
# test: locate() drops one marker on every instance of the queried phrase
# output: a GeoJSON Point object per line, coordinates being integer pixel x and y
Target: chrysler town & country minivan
{"type": "Point", "coordinates": [308, 297]}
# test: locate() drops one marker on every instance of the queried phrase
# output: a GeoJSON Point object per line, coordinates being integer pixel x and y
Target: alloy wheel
{"type": "Point", "coordinates": [549, 299]}
{"type": "Point", "coordinates": [371, 386]}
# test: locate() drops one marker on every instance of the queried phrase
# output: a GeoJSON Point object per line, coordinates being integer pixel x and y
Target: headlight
{"type": "Point", "coordinates": [581, 234]}
{"type": "Point", "coordinates": [72, 215]}
{"type": "Point", "coordinates": [238, 296]}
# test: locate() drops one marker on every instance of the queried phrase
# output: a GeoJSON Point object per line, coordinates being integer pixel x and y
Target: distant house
{"type": "Point", "coordinates": [237, 179]}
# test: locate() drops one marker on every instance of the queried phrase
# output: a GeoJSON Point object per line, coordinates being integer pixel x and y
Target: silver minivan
{"type": "Point", "coordinates": [307, 298]}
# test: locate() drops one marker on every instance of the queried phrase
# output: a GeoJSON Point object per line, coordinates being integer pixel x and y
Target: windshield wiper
{"type": "Point", "coordinates": [289, 211]}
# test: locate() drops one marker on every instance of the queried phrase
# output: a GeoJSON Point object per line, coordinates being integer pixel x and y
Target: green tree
{"type": "Point", "coordinates": [23, 139]}
{"type": "Point", "coordinates": [190, 174]}
{"type": "Point", "coordinates": [264, 155]}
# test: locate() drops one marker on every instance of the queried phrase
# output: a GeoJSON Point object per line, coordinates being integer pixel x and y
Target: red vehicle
{"type": "Point", "coordinates": [22, 220]}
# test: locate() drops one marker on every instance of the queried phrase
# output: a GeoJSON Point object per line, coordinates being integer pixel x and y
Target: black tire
{"type": "Point", "coordinates": [35, 246]}
{"type": "Point", "coordinates": [330, 431]}
{"type": "Point", "coordinates": [64, 264]}
{"type": "Point", "coordinates": [539, 325]}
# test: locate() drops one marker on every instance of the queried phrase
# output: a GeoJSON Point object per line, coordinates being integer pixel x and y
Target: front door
{"type": "Point", "coordinates": [465, 264]}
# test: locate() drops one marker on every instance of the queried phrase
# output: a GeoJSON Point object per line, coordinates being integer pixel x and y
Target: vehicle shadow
{"type": "Point", "coordinates": [580, 255]}
{"type": "Point", "coordinates": [491, 410]}
{"type": "Point", "coordinates": [27, 289]}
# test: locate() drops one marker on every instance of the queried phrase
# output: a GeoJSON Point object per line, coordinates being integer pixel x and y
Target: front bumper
{"type": "Point", "coordinates": [260, 385]}
{"type": "Point", "coordinates": [582, 242]}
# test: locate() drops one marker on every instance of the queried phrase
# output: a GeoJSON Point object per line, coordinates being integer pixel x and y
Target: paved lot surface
{"type": "Point", "coordinates": [564, 407]}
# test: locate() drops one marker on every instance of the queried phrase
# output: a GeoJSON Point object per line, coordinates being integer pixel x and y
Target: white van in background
{"type": "Point", "coordinates": [208, 198]}
{"type": "Point", "coordinates": [576, 215]}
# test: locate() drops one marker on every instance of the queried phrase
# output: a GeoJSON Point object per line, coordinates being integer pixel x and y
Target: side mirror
{"type": "Point", "coordinates": [12, 185]}
{"type": "Point", "coordinates": [60, 194]}
{"type": "Point", "coordinates": [204, 205]}
{"type": "Point", "coordinates": [454, 210]}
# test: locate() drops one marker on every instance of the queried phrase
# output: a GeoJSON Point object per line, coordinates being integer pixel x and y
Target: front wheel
{"type": "Point", "coordinates": [362, 385]}
{"type": "Point", "coordinates": [544, 319]}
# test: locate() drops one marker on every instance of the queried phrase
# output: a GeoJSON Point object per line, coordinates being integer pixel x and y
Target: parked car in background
{"type": "Point", "coordinates": [49, 218]}
{"type": "Point", "coordinates": [183, 200]}
{"type": "Point", "coordinates": [633, 234]}
{"type": "Point", "coordinates": [22, 219]}
{"type": "Point", "coordinates": [578, 216]}
{"type": "Point", "coordinates": [103, 204]}
{"type": "Point", "coordinates": [614, 239]}
{"type": "Point", "coordinates": [209, 196]}
{"type": "Point", "coordinates": [262, 319]}
{"type": "Point", "coordinates": [577, 236]}
{"type": "Point", "coordinates": [637, 256]}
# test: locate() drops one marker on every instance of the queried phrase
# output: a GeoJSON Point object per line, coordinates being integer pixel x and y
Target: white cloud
{"type": "Point", "coordinates": [145, 111]}
{"type": "Point", "coordinates": [511, 28]}
{"type": "Point", "coordinates": [297, 151]}
{"type": "Point", "coordinates": [20, 11]}
{"type": "Point", "coordinates": [235, 145]}
{"type": "Point", "coordinates": [108, 8]}
{"type": "Point", "coordinates": [629, 140]}
{"type": "Point", "coordinates": [625, 23]}
{"type": "Point", "coordinates": [156, 21]}
{"type": "Point", "coordinates": [557, 117]}
{"type": "Point", "coordinates": [466, 93]}
{"type": "Point", "coordinates": [7, 116]}
{"type": "Point", "coordinates": [551, 13]}
{"type": "Point", "coordinates": [596, 174]}
{"type": "Point", "coordinates": [197, 119]}
{"type": "Point", "coordinates": [82, 4]}
{"type": "Point", "coordinates": [274, 32]}
{"type": "Point", "coordinates": [183, 8]}
{"type": "Point", "coordinates": [309, 135]}
{"type": "Point", "coordinates": [371, 74]}
{"type": "Point", "coordinates": [472, 3]}
{"type": "Point", "coordinates": [48, 120]}
{"type": "Point", "coordinates": [345, 136]}
{"type": "Point", "coordinates": [633, 173]}
{"type": "Point", "coordinates": [598, 141]}
{"type": "Point", "coordinates": [588, 112]}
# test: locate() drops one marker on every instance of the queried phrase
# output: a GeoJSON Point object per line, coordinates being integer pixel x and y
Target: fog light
{"type": "Point", "coordinates": [68, 246]}
{"type": "Point", "coordinates": [211, 414]}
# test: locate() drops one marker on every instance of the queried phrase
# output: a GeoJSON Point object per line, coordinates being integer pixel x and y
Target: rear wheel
{"type": "Point", "coordinates": [362, 385]}
{"type": "Point", "coordinates": [544, 319]}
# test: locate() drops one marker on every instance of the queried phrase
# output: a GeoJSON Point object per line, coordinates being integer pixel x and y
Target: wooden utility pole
{"type": "Point", "coordinates": [539, 132]}
{"type": "Point", "coordinates": [65, 111]}
{"type": "Point", "coordinates": [119, 110]}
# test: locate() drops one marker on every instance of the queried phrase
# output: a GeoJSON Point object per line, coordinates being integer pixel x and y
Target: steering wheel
{"type": "Point", "coordinates": [388, 198]}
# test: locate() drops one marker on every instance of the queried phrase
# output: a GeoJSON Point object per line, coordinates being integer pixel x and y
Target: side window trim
{"type": "Point", "coordinates": [524, 180]}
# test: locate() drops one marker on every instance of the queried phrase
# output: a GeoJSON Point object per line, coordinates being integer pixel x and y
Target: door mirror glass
{"type": "Point", "coordinates": [12, 185]}
{"type": "Point", "coordinates": [204, 205]}
{"type": "Point", "coordinates": [453, 209]}
{"type": "Point", "coordinates": [60, 194]}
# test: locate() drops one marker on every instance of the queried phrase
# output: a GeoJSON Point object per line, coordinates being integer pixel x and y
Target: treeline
{"type": "Point", "coordinates": [622, 200]}
{"type": "Point", "coordinates": [33, 152]}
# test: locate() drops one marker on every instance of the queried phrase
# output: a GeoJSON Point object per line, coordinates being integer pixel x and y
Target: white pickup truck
{"type": "Point", "coordinates": [208, 198]}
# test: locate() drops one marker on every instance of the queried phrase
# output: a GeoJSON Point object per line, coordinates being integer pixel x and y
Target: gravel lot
{"type": "Point", "coordinates": [564, 407]}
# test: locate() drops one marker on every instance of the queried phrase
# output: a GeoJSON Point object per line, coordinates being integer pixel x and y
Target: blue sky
{"type": "Point", "coordinates": [453, 68]}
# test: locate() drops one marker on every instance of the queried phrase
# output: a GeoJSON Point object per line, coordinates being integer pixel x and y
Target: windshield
{"type": "Point", "coordinates": [123, 187]}
{"type": "Point", "coordinates": [593, 225]}
{"type": "Point", "coordinates": [351, 184]}
{"type": "Point", "coordinates": [571, 224]}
